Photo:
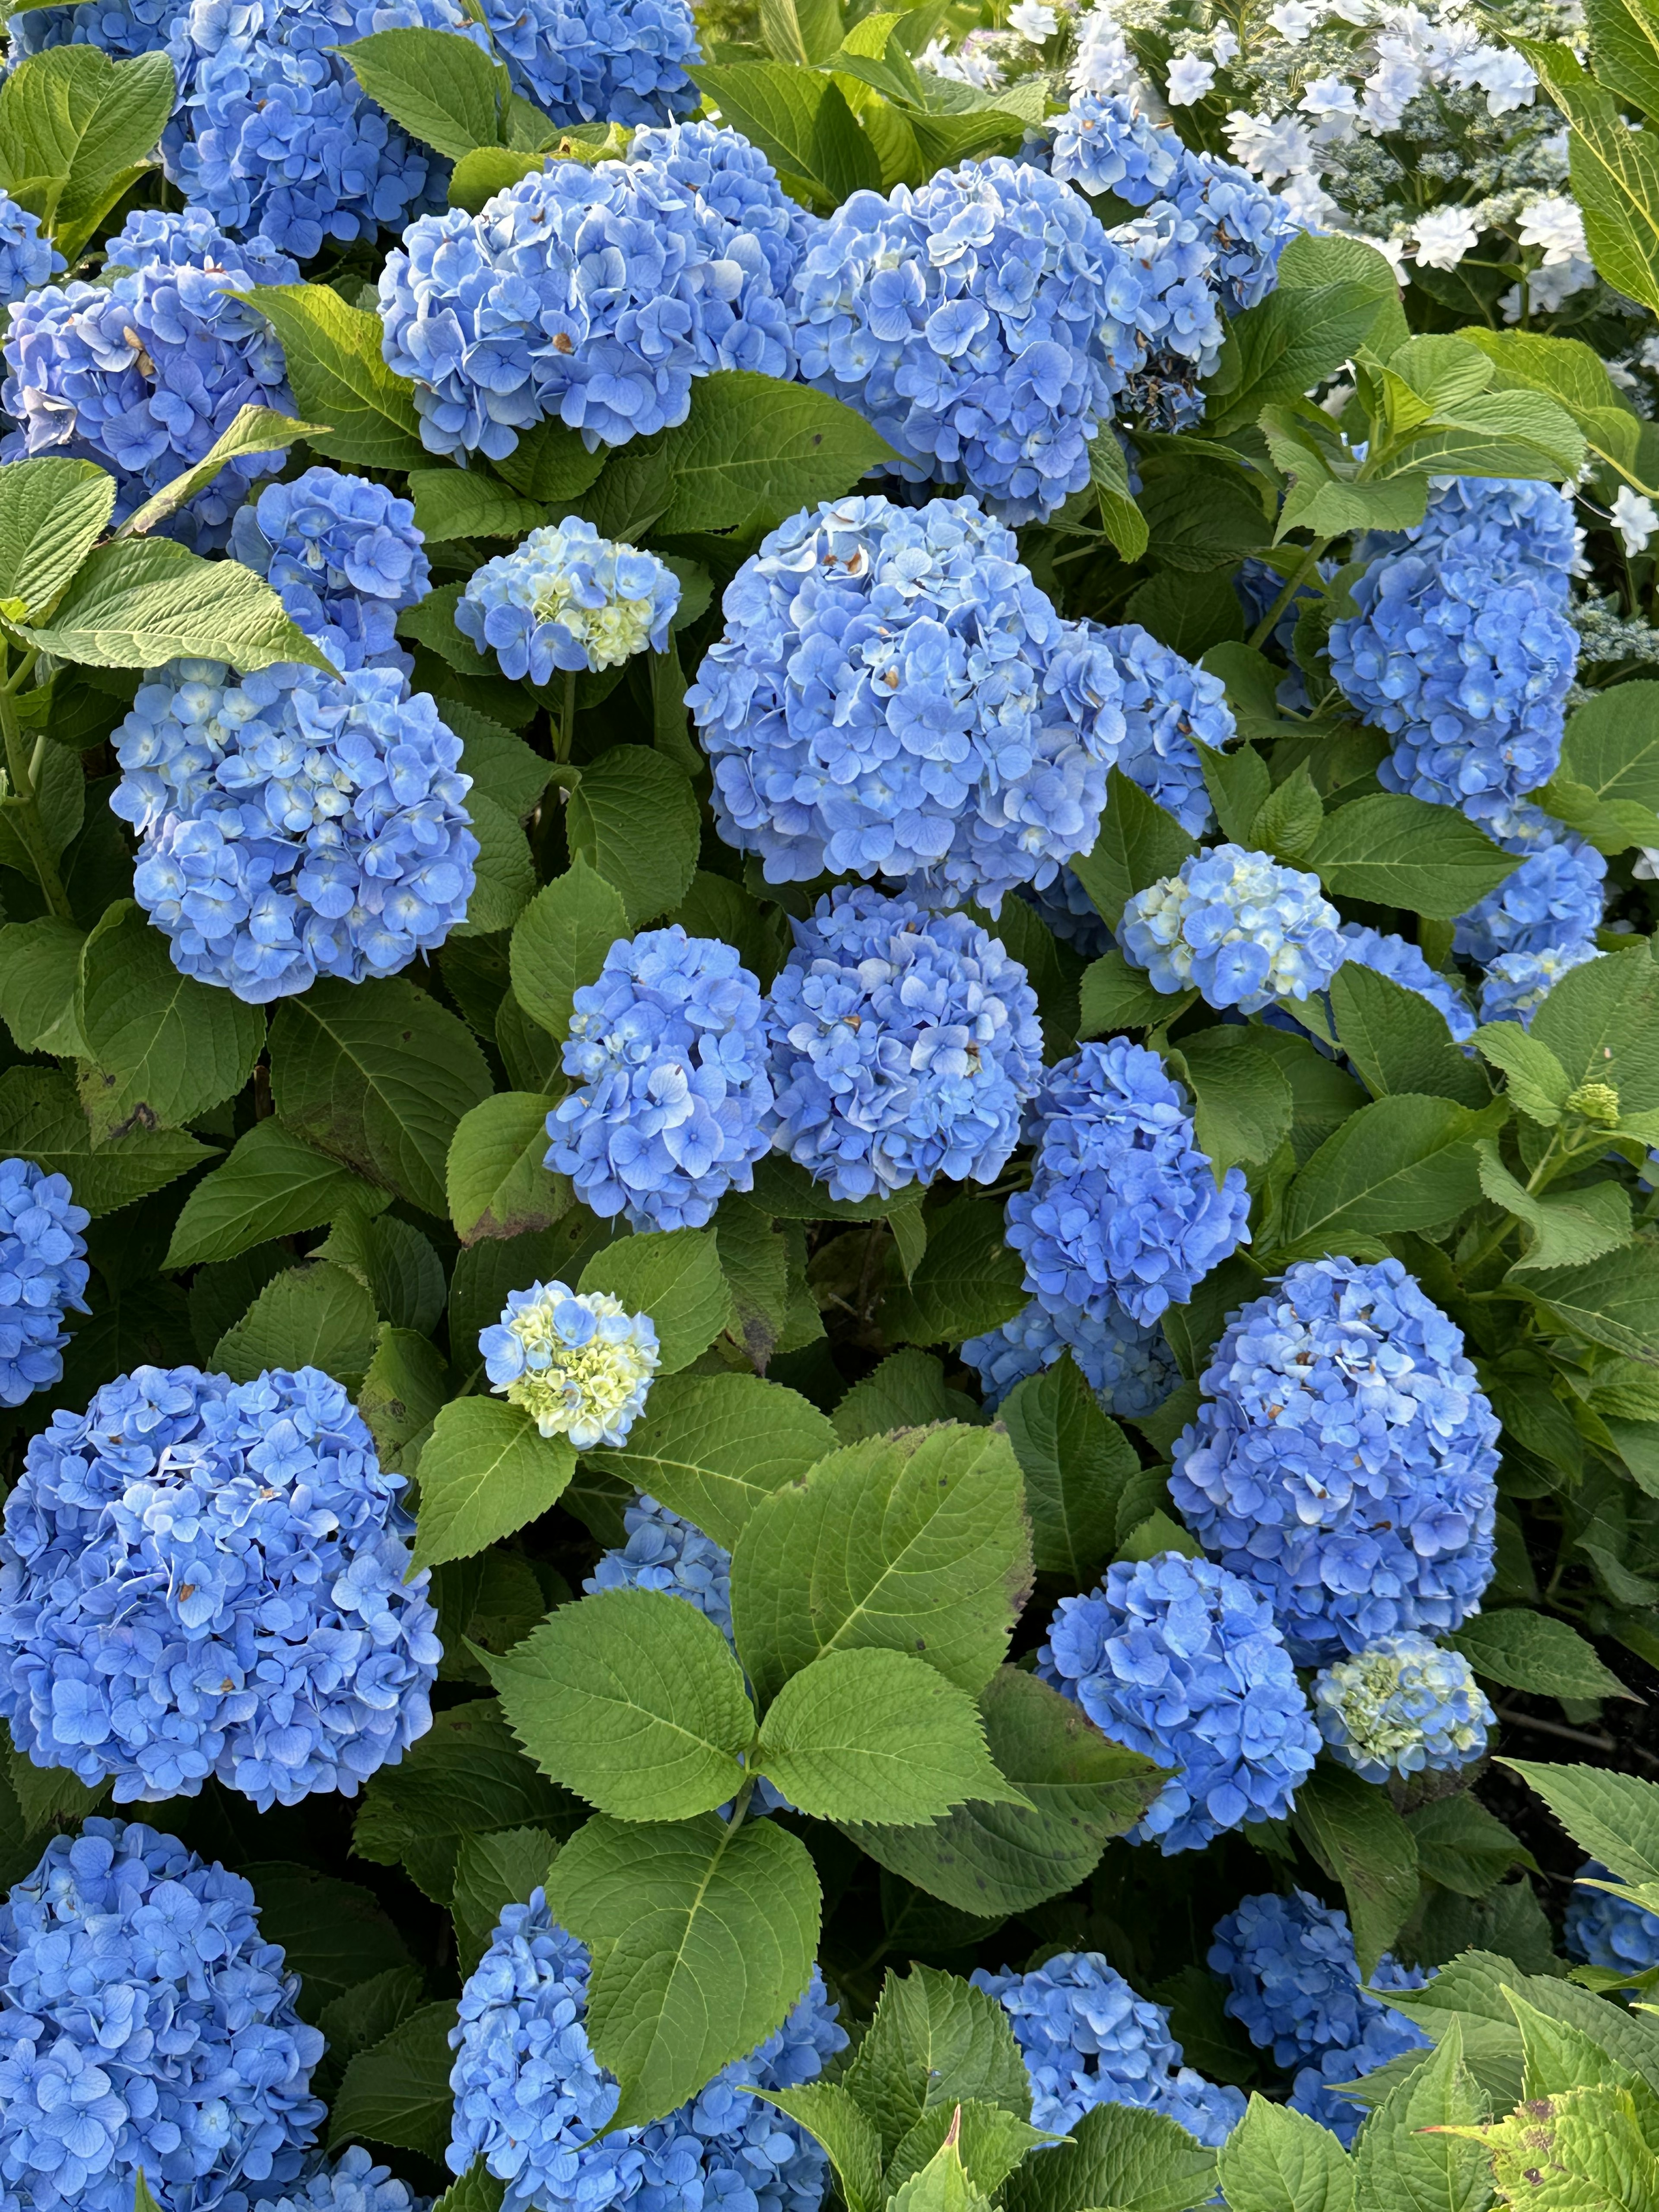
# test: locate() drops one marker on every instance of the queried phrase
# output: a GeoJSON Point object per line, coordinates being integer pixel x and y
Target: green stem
{"type": "Point", "coordinates": [567, 717]}
{"type": "Point", "coordinates": [20, 761]}
{"type": "Point", "coordinates": [1298, 578]}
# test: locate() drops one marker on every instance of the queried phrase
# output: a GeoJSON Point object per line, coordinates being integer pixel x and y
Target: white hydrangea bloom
{"type": "Point", "coordinates": [1190, 78]}
{"type": "Point", "coordinates": [1444, 236]}
{"type": "Point", "coordinates": [1635, 519]}
{"type": "Point", "coordinates": [1269, 146]}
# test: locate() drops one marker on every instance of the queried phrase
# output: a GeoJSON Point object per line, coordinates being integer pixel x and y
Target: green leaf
{"type": "Point", "coordinates": [755, 1261]}
{"type": "Point", "coordinates": [485, 1471]}
{"type": "Point", "coordinates": [632, 1698]}
{"type": "Point", "coordinates": [877, 1736]}
{"type": "Point", "coordinates": [675, 1276]}
{"type": "Point", "coordinates": [379, 1075]}
{"type": "Point", "coordinates": [340, 377]}
{"type": "Point", "coordinates": [1611, 746]}
{"type": "Point", "coordinates": [833, 2117]}
{"type": "Point", "coordinates": [1587, 2146]}
{"type": "Point", "coordinates": [754, 449]}
{"type": "Point", "coordinates": [934, 2040]}
{"type": "Point", "coordinates": [1119, 517]}
{"type": "Point", "coordinates": [560, 942]}
{"type": "Point", "coordinates": [907, 1391]}
{"type": "Point", "coordinates": [273, 1184]}
{"type": "Point", "coordinates": [252, 430]}
{"type": "Point", "coordinates": [1138, 843]}
{"type": "Point", "coordinates": [52, 513]}
{"type": "Point", "coordinates": [1534, 1651]}
{"type": "Point", "coordinates": [909, 1543]}
{"type": "Point", "coordinates": [1080, 1790]}
{"type": "Point", "coordinates": [1393, 850]}
{"type": "Point", "coordinates": [712, 1447]}
{"type": "Point", "coordinates": [1397, 1041]}
{"type": "Point", "coordinates": [1404, 1162]}
{"type": "Point", "coordinates": [1601, 1022]}
{"type": "Point", "coordinates": [549, 462]}
{"type": "Point", "coordinates": [943, 2184]}
{"type": "Point", "coordinates": [1613, 1817]}
{"type": "Point", "coordinates": [1462, 1847]}
{"type": "Point", "coordinates": [41, 1120]}
{"type": "Point", "coordinates": [990, 2141]}
{"type": "Point", "coordinates": [634, 818]}
{"type": "Point", "coordinates": [453, 503]}
{"type": "Point", "coordinates": [478, 176]}
{"type": "Point", "coordinates": [407, 1381]}
{"type": "Point", "coordinates": [1615, 180]}
{"type": "Point", "coordinates": [498, 1185]}
{"type": "Point", "coordinates": [399, 2091]}
{"type": "Point", "coordinates": [1537, 1081]}
{"type": "Point", "coordinates": [75, 130]}
{"type": "Point", "coordinates": [1116, 996]}
{"type": "Point", "coordinates": [477, 2191]}
{"type": "Point", "coordinates": [1241, 1102]}
{"type": "Point", "coordinates": [137, 602]}
{"type": "Point", "coordinates": [503, 767]}
{"type": "Point", "coordinates": [443, 90]}
{"type": "Point", "coordinates": [165, 1046]}
{"type": "Point", "coordinates": [1123, 2155]}
{"type": "Point", "coordinates": [1311, 260]}
{"type": "Point", "coordinates": [492, 1872]}
{"type": "Point", "coordinates": [1624, 55]}
{"type": "Point", "coordinates": [968, 1280]}
{"type": "Point", "coordinates": [1357, 1838]}
{"type": "Point", "coordinates": [1278, 2160]}
{"type": "Point", "coordinates": [799, 120]}
{"type": "Point", "coordinates": [39, 978]}
{"type": "Point", "coordinates": [1276, 351]}
{"type": "Point", "coordinates": [334, 1934]}
{"type": "Point", "coordinates": [504, 872]}
{"type": "Point", "coordinates": [1567, 1227]}
{"type": "Point", "coordinates": [1613, 1301]}
{"type": "Point", "coordinates": [1570, 371]}
{"type": "Point", "coordinates": [314, 1315]}
{"type": "Point", "coordinates": [703, 1937]}
{"type": "Point", "coordinates": [1075, 1463]}
{"type": "Point", "coordinates": [800, 30]}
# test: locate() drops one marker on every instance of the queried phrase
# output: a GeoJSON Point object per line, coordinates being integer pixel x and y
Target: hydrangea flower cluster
{"type": "Point", "coordinates": [675, 1107]}
{"type": "Point", "coordinates": [26, 258]}
{"type": "Point", "coordinates": [593, 295]}
{"type": "Point", "coordinates": [734, 178]}
{"type": "Point", "coordinates": [43, 1273]}
{"type": "Point", "coordinates": [1505, 523]}
{"type": "Point", "coordinates": [1071, 914]}
{"type": "Point", "coordinates": [199, 1576]}
{"type": "Point", "coordinates": [1235, 926]}
{"type": "Point", "coordinates": [1402, 1705]}
{"type": "Point", "coordinates": [292, 824]}
{"type": "Point", "coordinates": [893, 695]}
{"type": "Point", "coordinates": [1123, 1210]}
{"type": "Point", "coordinates": [1088, 2039]}
{"type": "Point", "coordinates": [664, 1552]}
{"type": "Point", "coordinates": [1402, 962]}
{"type": "Point", "coordinates": [1609, 1931]}
{"type": "Point", "coordinates": [598, 61]}
{"type": "Point", "coordinates": [1516, 984]}
{"type": "Point", "coordinates": [1182, 1662]}
{"type": "Point", "coordinates": [143, 2024]}
{"type": "Point", "coordinates": [530, 2096]}
{"type": "Point", "coordinates": [121, 28]}
{"type": "Point", "coordinates": [280, 140]}
{"type": "Point", "coordinates": [1130, 1368]}
{"type": "Point", "coordinates": [1343, 1461]}
{"type": "Point", "coordinates": [345, 557]}
{"type": "Point", "coordinates": [1167, 703]}
{"type": "Point", "coordinates": [1295, 1989]}
{"type": "Point", "coordinates": [143, 373]}
{"type": "Point", "coordinates": [577, 1361]}
{"type": "Point", "coordinates": [567, 599]}
{"type": "Point", "coordinates": [350, 2183]}
{"type": "Point", "coordinates": [904, 1044]}
{"type": "Point", "coordinates": [1553, 899]}
{"type": "Point", "coordinates": [982, 323]}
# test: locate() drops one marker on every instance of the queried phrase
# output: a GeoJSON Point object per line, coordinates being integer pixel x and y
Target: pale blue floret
{"type": "Point", "coordinates": [1237, 927]}
{"type": "Point", "coordinates": [1403, 962]}
{"type": "Point", "coordinates": [1516, 984]}
{"type": "Point", "coordinates": [200, 1578]}
{"type": "Point", "coordinates": [345, 557]}
{"type": "Point", "coordinates": [675, 1106]}
{"type": "Point", "coordinates": [1123, 1209]}
{"type": "Point", "coordinates": [350, 2183]}
{"type": "Point", "coordinates": [569, 599]}
{"type": "Point", "coordinates": [26, 258]}
{"type": "Point", "coordinates": [43, 1274]}
{"type": "Point", "coordinates": [1130, 1368]}
{"type": "Point", "coordinates": [1167, 703]}
{"type": "Point", "coordinates": [598, 61]}
{"type": "Point", "coordinates": [893, 695]}
{"type": "Point", "coordinates": [578, 1362]}
{"type": "Point", "coordinates": [1609, 1931]}
{"type": "Point", "coordinates": [1553, 899]}
{"type": "Point", "coordinates": [1087, 2039]}
{"type": "Point", "coordinates": [531, 2100]}
{"type": "Point", "coordinates": [904, 1044]}
{"type": "Point", "coordinates": [664, 1552]}
{"type": "Point", "coordinates": [293, 824]}
{"type": "Point", "coordinates": [1343, 1461]}
{"type": "Point", "coordinates": [144, 2025]}
{"type": "Point", "coordinates": [1403, 1705]}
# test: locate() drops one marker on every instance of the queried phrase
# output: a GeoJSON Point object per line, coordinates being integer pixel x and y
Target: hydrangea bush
{"type": "Point", "coordinates": [828, 1089]}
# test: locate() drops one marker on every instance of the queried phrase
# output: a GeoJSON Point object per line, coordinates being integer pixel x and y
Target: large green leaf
{"type": "Point", "coordinates": [1075, 1463]}
{"type": "Point", "coordinates": [1404, 1162]}
{"type": "Point", "coordinates": [633, 819]}
{"type": "Point", "coordinates": [41, 1120]}
{"type": "Point", "coordinates": [1612, 1301]}
{"type": "Point", "coordinates": [712, 1447]}
{"type": "Point", "coordinates": [141, 601]}
{"type": "Point", "coordinates": [1396, 1041]}
{"type": "Point", "coordinates": [1138, 844]}
{"type": "Point", "coordinates": [75, 132]}
{"type": "Point", "coordinates": [340, 377]}
{"type": "Point", "coordinates": [499, 1184]}
{"type": "Point", "coordinates": [1124, 2156]}
{"type": "Point", "coordinates": [1534, 1651]}
{"type": "Point", "coordinates": [52, 514]}
{"type": "Point", "coordinates": [797, 119]}
{"type": "Point", "coordinates": [969, 1280]}
{"type": "Point", "coordinates": [1358, 1838]}
{"type": "Point", "coordinates": [312, 1315]}
{"type": "Point", "coordinates": [164, 1047]}
{"type": "Point", "coordinates": [560, 941]}
{"type": "Point", "coordinates": [40, 982]}
{"type": "Point", "coordinates": [273, 1184]}
{"type": "Point", "coordinates": [754, 449]}
{"type": "Point", "coordinates": [675, 1276]}
{"type": "Point", "coordinates": [1601, 1022]}
{"type": "Point", "coordinates": [1396, 851]}
{"type": "Point", "coordinates": [443, 89]}
{"type": "Point", "coordinates": [398, 2091]}
{"type": "Point", "coordinates": [1615, 180]}
{"type": "Point", "coordinates": [485, 1471]}
{"type": "Point", "coordinates": [252, 430]}
{"type": "Point", "coordinates": [1278, 2160]}
{"type": "Point", "coordinates": [935, 2038]}
{"type": "Point", "coordinates": [1613, 1817]}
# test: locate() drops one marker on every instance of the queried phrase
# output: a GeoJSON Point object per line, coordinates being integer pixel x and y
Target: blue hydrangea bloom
{"type": "Point", "coordinates": [593, 295]}
{"type": "Point", "coordinates": [529, 2095]}
{"type": "Point", "coordinates": [1403, 962]}
{"type": "Point", "coordinates": [577, 1360]}
{"type": "Point", "coordinates": [293, 824]}
{"type": "Point", "coordinates": [1609, 1931]}
{"type": "Point", "coordinates": [199, 1576]}
{"type": "Point", "coordinates": [737, 181]}
{"type": "Point", "coordinates": [143, 2023]}
{"type": "Point", "coordinates": [1182, 1661]}
{"type": "Point", "coordinates": [904, 1045]}
{"type": "Point", "coordinates": [1130, 1368]}
{"type": "Point", "coordinates": [598, 61]}
{"type": "Point", "coordinates": [143, 373]}
{"type": "Point", "coordinates": [1516, 984]}
{"type": "Point", "coordinates": [1510, 525]}
{"type": "Point", "coordinates": [350, 2183]}
{"type": "Point", "coordinates": [1235, 926]}
{"type": "Point", "coordinates": [1071, 914]}
{"type": "Point", "coordinates": [1167, 703]}
{"type": "Point", "coordinates": [567, 599]}
{"type": "Point", "coordinates": [43, 1273]}
{"type": "Point", "coordinates": [675, 1105]}
{"type": "Point", "coordinates": [1123, 1207]}
{"type": "Point", "coordinates": [663, 1553]}
{"type": "Point", "coordinates": [1343, 1461]}
{"type": "Point", "coordinates": [1104, 143]}
{"type": "Point", "coordinates": [981, 323]}
{"type": "Point", "coordinates": [345, 557]}
{"type": "Point", "coordinates": [1088, 2039]}
{"type": "Point", "coordinates": [1295, 1989]}
{"type": "Point", "coordinates": [1553, 898]}
{"type": "Point", "coordinates": [26, 258]}
{"type": "Point", "coordinates": [121, 28]}
{"type": "Point", "coordinates": [893, 695]}
{"type": "Point", "coordinates": [1402, 1705]}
